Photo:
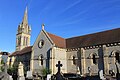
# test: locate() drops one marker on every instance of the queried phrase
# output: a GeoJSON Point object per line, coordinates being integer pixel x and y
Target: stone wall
{"type": "Point", "coordinates": [104, 56]}
{"type": "Point", "coordinates": [59, 54]}
{"type": "Point", "coordinates": [37, 52]}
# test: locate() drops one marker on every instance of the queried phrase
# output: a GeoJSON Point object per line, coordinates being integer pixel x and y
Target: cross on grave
{"type": "Point", "coordinates": [59, 65]}
{"type": "Point", "coordinates": [58, 74]}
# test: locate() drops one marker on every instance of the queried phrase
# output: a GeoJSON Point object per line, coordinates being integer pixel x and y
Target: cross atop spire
{"type": "Point", "coordinates": [25, 21]}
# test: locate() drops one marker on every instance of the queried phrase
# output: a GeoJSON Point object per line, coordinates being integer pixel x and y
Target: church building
{"type": "Point", "coordinates": [84, 55]}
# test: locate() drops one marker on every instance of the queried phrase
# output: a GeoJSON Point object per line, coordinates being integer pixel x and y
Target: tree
{"type": "Point", "coordinates": [45, 71]}
{"type": "Point", "coordinates": [2, 65]}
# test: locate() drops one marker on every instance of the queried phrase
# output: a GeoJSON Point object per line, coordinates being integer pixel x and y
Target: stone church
{"type": "Point", "coordinates": [84, 55]}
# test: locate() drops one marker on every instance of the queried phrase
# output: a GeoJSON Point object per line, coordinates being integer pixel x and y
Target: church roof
{"type": "Point", "coordinates": [59, 41]}
{"type": "Point", "coordinates": [14, 53]}
{"type": "Point", "coordinates": [105, 37]}
{"type": "Point", "coordinates": [23, 51]}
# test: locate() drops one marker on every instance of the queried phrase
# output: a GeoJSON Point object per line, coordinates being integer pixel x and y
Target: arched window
{"type": "Point", "coordinates": [117, 57]}
{"type": "Point", "coordinates": [19, 40]}
{"type": "Point", "coordinates": [41, 59]}
{"type": "Point", "coordinates": [24, 41]}
{"type": "Point", "coordinates": [94, 59]}
{"type": "Point", "coordinates": [74, 61]}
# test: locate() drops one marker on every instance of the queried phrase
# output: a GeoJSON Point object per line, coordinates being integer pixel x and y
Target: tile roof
{"type": "Point", "coordinates": [23, 51]}
{"type": "Point", "coordinates": [14, 53]}
{"type": "Point", "coordinates": [104, 37]}
{"type": "Point", "coordinates": [59, 41]}
{"type": "Point", "coordinates": [109, 36]}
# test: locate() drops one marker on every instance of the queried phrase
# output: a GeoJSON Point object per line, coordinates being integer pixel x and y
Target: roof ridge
{"type": "Point", "coordinates": [56, 35]}
{"type": "Point", "coordinates": [94, 33]}
{"type": "Point", "coordinates": [104, 37]}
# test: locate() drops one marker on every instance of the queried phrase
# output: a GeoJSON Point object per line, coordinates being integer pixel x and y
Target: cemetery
{"type": "Point", "coordinates": [18, 73]}
{"type": "Point", "coordinates": [94, 56]}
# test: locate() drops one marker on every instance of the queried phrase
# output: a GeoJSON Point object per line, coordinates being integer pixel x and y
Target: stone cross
{"type": "Point", "coordinates": [59, 65]}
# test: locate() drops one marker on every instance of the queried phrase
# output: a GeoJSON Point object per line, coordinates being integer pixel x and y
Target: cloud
{"type": "Point", "coordinates": [70, 6]}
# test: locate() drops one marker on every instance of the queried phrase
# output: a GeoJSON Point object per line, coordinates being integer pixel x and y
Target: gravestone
{"type": "Point", "coordinates": [29, 75]}
{"type": "Point", "coordinates": [49, 77]}
{"type": "Point", "coordinates": [101, 75]}
{"type": "Point", "coordinates": [20, 72]}
{"type": "Point", "coordinates": [58, 74]}
{"type": "Point", "coordinates": [10, 77]}
{"type": "Point", "coordinates": [59, 65]}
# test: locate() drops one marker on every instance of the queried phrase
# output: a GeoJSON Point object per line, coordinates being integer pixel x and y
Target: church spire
{"type": "Point", "coordinates": [23, 33]}
{"type": "Point", "coordinates": [25, 21]}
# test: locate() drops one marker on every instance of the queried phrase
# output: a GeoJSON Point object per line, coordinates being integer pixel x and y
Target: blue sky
{"type": "Point", "coordinates": [65, 18]}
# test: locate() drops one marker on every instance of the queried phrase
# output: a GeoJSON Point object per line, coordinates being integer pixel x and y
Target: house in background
{"type": "Point", "coordinates": [4, 56]}
{"type": "Point", "coordinates": [3, 59]}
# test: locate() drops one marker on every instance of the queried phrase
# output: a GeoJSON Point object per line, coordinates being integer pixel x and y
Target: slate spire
{"type": "Point", "coordinates": [25, 20]}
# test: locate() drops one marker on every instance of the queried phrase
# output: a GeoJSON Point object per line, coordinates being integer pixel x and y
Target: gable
{"type": "Point", "coordinates": [43, 36]}
{"type": "Point", "coordinates": [48, 43]}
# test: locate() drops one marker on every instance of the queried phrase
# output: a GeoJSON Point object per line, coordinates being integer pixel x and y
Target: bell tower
{"type": "Point", "coordinates": [23, 33]}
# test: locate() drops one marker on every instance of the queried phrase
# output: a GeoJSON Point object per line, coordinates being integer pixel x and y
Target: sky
{"type": "Point", "coordinates": [65, 18]}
